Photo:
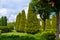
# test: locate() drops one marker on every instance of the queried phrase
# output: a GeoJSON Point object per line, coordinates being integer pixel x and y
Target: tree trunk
{"type": "Point", "coordinates": [57, 25]}
{"type": "Point", "coordinates": [44, 25]}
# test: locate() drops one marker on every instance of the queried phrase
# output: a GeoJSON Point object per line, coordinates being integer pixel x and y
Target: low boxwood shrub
{"type": "Point", "coordinates": [17, 37]}
{"type": "Point", "coordinates": [48, 35]}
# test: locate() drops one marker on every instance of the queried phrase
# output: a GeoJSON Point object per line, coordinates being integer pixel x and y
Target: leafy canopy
{"type": "Point", "coordinates": [42, 7]}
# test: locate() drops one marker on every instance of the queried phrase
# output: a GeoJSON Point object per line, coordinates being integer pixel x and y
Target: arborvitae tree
{"type": "Point", "coordinates": [18, 22]}
{"type": "Point", "coordinates": [48, 25]}
{"type": "Point", "coordinates": [33, 25]}
{"type": "Point", "coordinates": [23, 21]}
{"type": "Point", "coordinates": [54, 22]}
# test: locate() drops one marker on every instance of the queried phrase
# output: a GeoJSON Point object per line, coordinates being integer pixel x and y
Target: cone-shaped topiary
{"type": "Point", "coordinates": [54, 22]}
{"type": "Point", "coordinates": [33, 24]}
{"type": "Point", "coordinates": [18, 22]}
{"type": "Point", "coordinates": [23, 21]}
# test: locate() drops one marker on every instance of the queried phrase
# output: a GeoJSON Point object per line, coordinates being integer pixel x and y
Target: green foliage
{"type": "Point", "coordinates": [8, 28]}
{"type": "Point", "coordinates": [42, 8]}
{"type": "Point", "coordinates": [48, 24]}
{"type": "Point", "coordinates": [33, 24]}
{"type": "Point", "coordinates": [5, 29]}
{"type": "Point", "coordinates": [42, 24]}
{"type": "Point", "coordinates": [3, 21]}
{"type": "Point", "coordinates": [0, 22]}
{"type": "Point", "coordinates": [0, 32]}
{"type": "Point", "coordinates": [17, 37]}
{"type": "Point", "coordinates": [18, 22]}
{"type": "Point", "coordinates": [48, 35]}
{"type": "Point", "coordinates": [54, 22]}
{"type": "Point", "coordinates": [21, 22]}
{"type": "Point", "coordinates": [23, 36]}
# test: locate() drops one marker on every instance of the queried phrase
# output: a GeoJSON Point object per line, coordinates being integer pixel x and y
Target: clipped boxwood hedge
{"type": "Point", "coordinates": [17, 37]}
{"type": "Point", "coordinates": [23, 36]}
{"type": "Point", "coordinates": [5, 29]}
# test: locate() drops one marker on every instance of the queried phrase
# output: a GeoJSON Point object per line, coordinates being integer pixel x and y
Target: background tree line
{"type": "Point", "coordinates": [3, 21]}
{"type": "Point", "coordinates": [31, 24]}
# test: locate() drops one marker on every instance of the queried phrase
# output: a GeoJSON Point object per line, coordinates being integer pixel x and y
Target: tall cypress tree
{"type": "Point", "coordinates": [23, 21]}
{"type": "Point", "coordinates": [33, 25]}
{"type": "Point", "coordinates": [54, 22]}
{"type": "Point", "coordinates": [18, 23]}
{"type": "Point", "coordinates": [48, 25]}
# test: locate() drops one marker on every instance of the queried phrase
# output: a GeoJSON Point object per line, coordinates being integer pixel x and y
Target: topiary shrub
{"type": "Point", "coordinates": [49, 35]}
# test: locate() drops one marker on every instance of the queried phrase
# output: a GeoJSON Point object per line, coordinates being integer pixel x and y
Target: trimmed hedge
{"type": "Point", "coordinates": [5, 29]}
{"type": "Point", "coordinates": [23, 36]}
{"type": "Point", "coordinates": [17, 37]}
{"type": "Point", "coordinates": [48, 35]}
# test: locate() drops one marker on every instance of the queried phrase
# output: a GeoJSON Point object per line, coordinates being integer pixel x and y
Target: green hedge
{"type": "Point", "coordinates": [48, 35]}
{"type": "Point", "coordinates": [5, 29]}
{"type": "Point", "coordinates": [17, 37]}
{"type": "Point", "coordinates": [23, 36]}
